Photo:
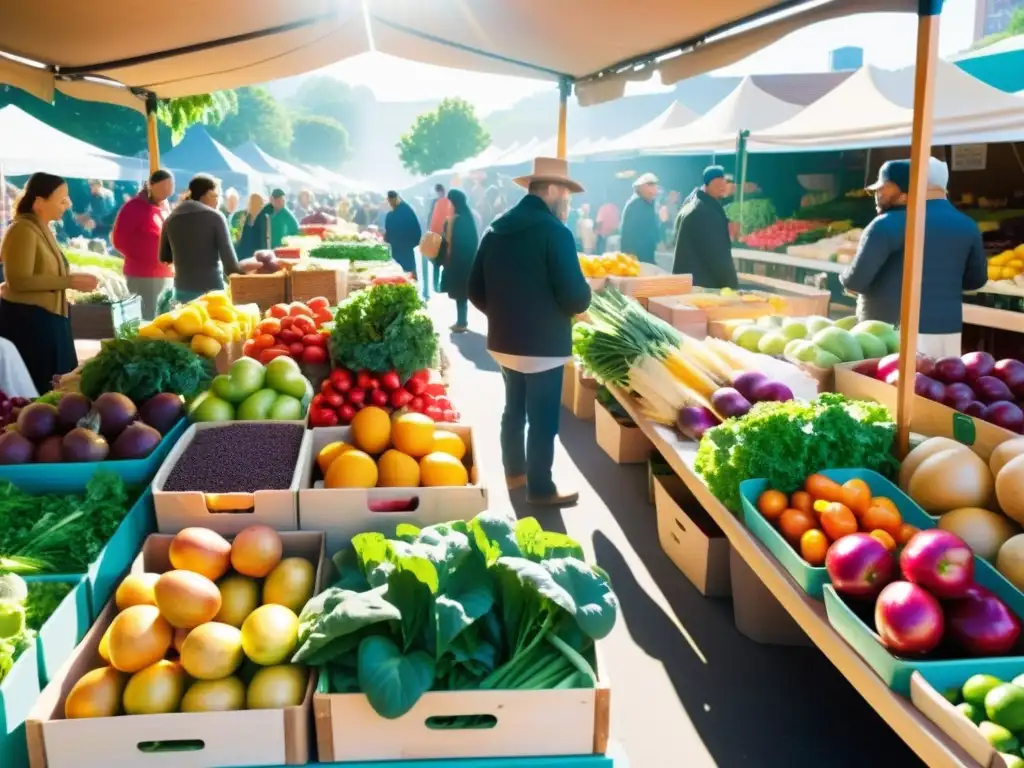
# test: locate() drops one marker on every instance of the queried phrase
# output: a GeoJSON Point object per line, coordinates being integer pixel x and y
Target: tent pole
{"type": "Point", "coordinates": [741, 171]}
{"type": "Point", "coordinates": [920, 149]}
{"type": "Point", "coordinates": [564, 89]}
{"type": "Point", "coordinates": [151, 133]}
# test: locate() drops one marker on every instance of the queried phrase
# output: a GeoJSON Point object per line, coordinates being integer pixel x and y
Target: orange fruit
{"type": "Point", "coordinates": [821, 487]}
{"type": "Point", "coordinates": [882, 517]}
{"type": "Point", "coordinates": [329, 453]}
{"type": "Point", "coordinates": [442, 469]}
{"type": "Point", "coordinates": [352, 469]}
{"type": "Point", "coordinates": [771, 504]}
{"type": "Point", "coordinates": [814, 546]}
{"type": "Point", "coordinates": [398, 470]}
{"type": "Point", "coordinates": [794, 523]}
{"type": "Point", "coordinates": [837, 521]}
{"type": "Point", "coordinates": [371, 430]}
{"type": "Point", "coordinates": [802, 500]}
{"type": "Point", "coordinates": [885, 537]}
{"type": "Point", "coordinates": [857, 496]}
{"type": "Point", "coordinates": [448, 442]}
{"type": "Point", "coordinates": [413, 434]}
{"type": "Point", "coordinates": [906, 533]}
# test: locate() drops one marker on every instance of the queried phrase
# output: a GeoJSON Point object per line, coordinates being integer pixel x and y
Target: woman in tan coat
{"type": "Point", "coordinates": [33, 298]}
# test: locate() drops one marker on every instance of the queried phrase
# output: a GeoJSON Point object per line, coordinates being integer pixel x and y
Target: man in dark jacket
{"type": "Point", "coordinates": [402, 232]}
{"type": "Point", "coordinates": [641, 231]}
{"type": "Point", "coordinates": [954, 259]}
{"type": "Point", "coordinates": [703, 245]}
{"type": "Point", "coordinates": [526, 278]}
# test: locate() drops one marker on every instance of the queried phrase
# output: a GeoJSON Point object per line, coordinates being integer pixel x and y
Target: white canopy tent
{"type": "Point", "coordinates": [746, 108]}
{"type": "Point", "coordinates": [278, 171]}
{"type": "Point", "coordinates": [517, 155]}
{"type": "Point", "coordinates": [674, 117]}
{"type": "Point", "coordinates": [28, 145]}
{"type": "Point", "coordinates": [873, 109]}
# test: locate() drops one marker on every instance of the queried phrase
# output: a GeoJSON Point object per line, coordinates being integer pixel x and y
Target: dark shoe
{"type": "Point", "coordinates": [515, 481]}
{"type": "Point", "coordinates": [560, 498]}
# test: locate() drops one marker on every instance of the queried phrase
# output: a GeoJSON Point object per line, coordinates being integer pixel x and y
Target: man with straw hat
{"type": "Point", "coordinates": [526, 278]}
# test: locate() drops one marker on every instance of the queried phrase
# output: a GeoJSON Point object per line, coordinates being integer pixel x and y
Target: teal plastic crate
{"type": "Point", "coordinates": [812, 579]}
{"type": "Point", "coordinates": [65, 627]}
{"type": "Point", "coordinates": [72, 477]}
{"type": "Point", "coordinates": [18, 693]}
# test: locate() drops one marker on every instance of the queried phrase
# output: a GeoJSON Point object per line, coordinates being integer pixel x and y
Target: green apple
{"type": "Point", "coordinates": [772, 343]}
{"type": "Point", "coordinates": [209, 407]}
{"type": "Point", "coordinates": [256, 407]}
{"type": "Point", "coordinates": [284, 376]}
{"type": "Point", "coordinates": [847, 323]}
{"type": "Point", "coordinates": [748, 336]}
{"type": "Point", "coordinates": [285, 408]}
{"type": "Point", "coordinates": [245, 377]}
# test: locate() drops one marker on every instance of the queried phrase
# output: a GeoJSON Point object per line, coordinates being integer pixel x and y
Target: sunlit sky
{"type": "Point", "coordinates": [888, 41]}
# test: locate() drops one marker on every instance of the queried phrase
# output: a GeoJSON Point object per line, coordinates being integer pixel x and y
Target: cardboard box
{"type": "Point", "coordinates": [579, 391]}
{"type": "Point", "coordinates": [690, 538]}
{"type": "Point", "coordinates": [625, 444]}
{"type": "Point", "coordinates": [343, 512]}
{"type": "Point", "coordinates": [757, 613]}
{"type": "Point", "coordinates": [242, 738]}
{"type": "Point", "coordinates": [555, 722]}
{"type": "Point", "coordinates": [799, 300]}
{"type": "Point", "coordinates": [656, 466]}
{"type": "Point", "coordinates": [226, 513]}
{"type": "Point", "coordinates": [676, 312]}
{"type": "Point", "coordinates": [928, 417]}
{"type": "Point", "coordinates": [568, 384]}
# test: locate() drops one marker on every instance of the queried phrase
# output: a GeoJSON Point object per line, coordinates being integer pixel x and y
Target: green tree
{"type": "Point", "coordinates": [319, 140]}
{"type": "Point", "coordinates": [442, 137]}
{"type": "Point", "coordinates": [259, 118]}
{"type": "Point", "coordinates": [209, 108]}
{"type": "Point", "coordinates": [1014, 28]}
{"type": "Point", "coordinates": [326, 96]}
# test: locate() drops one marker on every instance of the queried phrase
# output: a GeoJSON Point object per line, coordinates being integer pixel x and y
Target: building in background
{"type": "Point", "coordinates": [846, 59]}
{"type": "Point", "coordinates": [992, 16]}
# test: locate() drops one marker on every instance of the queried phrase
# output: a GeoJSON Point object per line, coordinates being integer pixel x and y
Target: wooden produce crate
{"type": "Point", "coordinates": [262, 290]}
{"type": "Point", "coordinates": [251, 737]}
{"type": "Point", "coordinates": [306, 284]}
{"type": "Point", "coordinates": [653, 281]}
{"type": "Point", "coordinates": [799, 300]}
{"type": "Point", "coordinates": [102, 321]}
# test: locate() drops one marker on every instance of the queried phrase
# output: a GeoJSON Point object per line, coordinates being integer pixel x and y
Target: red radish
{"type": "Point", "coordinates": [314, 355]}
{"type": "Point", "coordinates": [982, 624]}
{"type": "Point", "coordinates": [323, 417]}
{"type": "Point", "coordinates": [433, 412]}
{"type": "Point", "coordinates": [436, 388]}
{"type": "Point", "coordinates": [390, 381]}
{"type": "Point", "coordinates": [448, 415]}
{"type": "Point", "coordinates": [363, 379]}
{"type": "Point", "coordinates": [314, 340]}
{"type": "Point", "coordinates": [422, 374]}
{"type": "Point", "coordinates": [357, 396]}
{"type": "Point", "coordinates": [417, 404]}
{"type": "Point", "coordinates": [346, 413]}
{"type": "Point", "coordinates": [374, 382]}
{"type": "Point", "coordinates": [332, 398]}
{"type": "Point", "coordinates": [859, 565]}
{"type": "Point", "coordinates": [908, 619]}
{"type": "Point", "coordinates": [417, 386]}
{"type": "Point", "coordinates": [341, 380]}
{"type": "Point", "coordinates": [317, 401]}
{"type": "Point", "coordinates": [442, 403]}
{"type": "Point", "coordinates": [304, 325]}
{"type": "Point", "coordinates": [400, 398]}
{"type": "Point", "coordinates": [295, 349]}
{"type": "Point", "coordinates": [379, 398]}
{"type": "Point", "coordinates": [940, 562]}
{"type": "Point", "coordinates": [289, 336]}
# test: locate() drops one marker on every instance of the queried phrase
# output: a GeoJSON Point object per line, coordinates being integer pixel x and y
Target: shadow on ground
{"type": "Point", "coordinates": [751, 704]}
{"type": "Point", "coordinates": [473, 347]}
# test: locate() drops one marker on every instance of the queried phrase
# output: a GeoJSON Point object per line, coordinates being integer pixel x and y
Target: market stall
{"type": "Point", "coordinates": [199, 152]}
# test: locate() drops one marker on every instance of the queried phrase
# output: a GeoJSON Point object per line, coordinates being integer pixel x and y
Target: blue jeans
{"type": "Point", "coordinates": [462, 312]}
{"type": "Point", "coordinates": [535, 398]}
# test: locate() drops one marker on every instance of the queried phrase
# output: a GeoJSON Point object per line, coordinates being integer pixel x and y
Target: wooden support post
{"type": "Point", "coordinates": [741, 172]}
{"type": "Point", "coordinates": [151, 133]}
{"type": "Point", "coordinates": [920, 150]}
{"type": "Point", "coordinates": [564, 89]}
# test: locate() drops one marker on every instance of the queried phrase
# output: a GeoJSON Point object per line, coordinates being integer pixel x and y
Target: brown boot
{"type": "Point", "coordinates": [515, 481]}
{"type": "Point", "coordinates": [560, 498]}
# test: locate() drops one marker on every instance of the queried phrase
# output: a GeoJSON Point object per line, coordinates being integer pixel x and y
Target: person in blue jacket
{"type": "Point", "coordinates": [954, 259]}
{"type": "Point", "coordinates": [402, 232]}
{"type": "Point", "coordinates": [641, 229]}
{"type": "Point", "coordinates": [527, 280]}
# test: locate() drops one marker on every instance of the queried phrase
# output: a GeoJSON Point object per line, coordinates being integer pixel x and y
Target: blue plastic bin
{"type": "Point", "coordinates": [65, 627]}
{"type": "Point", "coordinates": [73, 477]}
{"type": "Point", "coordinates": [18, 694]}
{"type": "Point", "coordinates": [811, 578]}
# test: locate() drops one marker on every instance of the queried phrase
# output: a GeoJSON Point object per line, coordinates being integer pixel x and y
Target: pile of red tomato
{"type": "Point", "coordinates": [345, 392]}
{"type": "Point", "coordinates": [292, 330]}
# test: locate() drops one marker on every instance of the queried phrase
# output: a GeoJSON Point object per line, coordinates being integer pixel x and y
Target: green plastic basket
{"type": "Point", "coordinates": [812, 579]}
{"type": "Point", "coordinates": [18, 694]}
{"type": "Point", "coordinates": [65, 627]}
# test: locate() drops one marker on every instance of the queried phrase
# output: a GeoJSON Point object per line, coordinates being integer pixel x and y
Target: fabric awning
{"type": "Point", "coordinates": [199, 152]}
{"type": "Point", "coordinates": [276, 171]}
{"type": "Point", "coordinates": [675, 116]}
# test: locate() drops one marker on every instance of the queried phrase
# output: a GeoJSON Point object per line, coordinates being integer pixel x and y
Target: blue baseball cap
{"type": "Point", "coordinates": [713, 172]}
{"type": "Point", "coordinates": [894, 172]}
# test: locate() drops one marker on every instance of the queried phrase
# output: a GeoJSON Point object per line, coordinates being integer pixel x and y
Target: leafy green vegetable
{"type": "Point", "coordinates": [352, 251]}
{"type": "Point", "coordinates": [64, 532]}
{"type": "Point", "coordinates": [78, 258]}
{"type": "Point", "coordinates": [492, 603]}
{"type": "Point", "coordinates": [756, 214]}
{"type": "Point", "coordinates": [141, 368]}
{"type": "Point", "coordinates": [785, 442]}
{"type": "Point", "coordinates": [385, 327]}
{"type": "Point", "coordinates": [15, 635]}
{"type": "Point", "coordinates": [44, 597]}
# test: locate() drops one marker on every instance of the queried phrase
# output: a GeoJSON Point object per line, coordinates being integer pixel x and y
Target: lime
{"type": "Point", "coordinates": [977, 687]}
{"type": "Point", "coordinates": [998, 737]}
{"type": "Point", "coordinates": [952, 695]}
{"type": "Point", "coordinates": [1004, 706]}
{"type": "Point", "coordinates": [971, 712]}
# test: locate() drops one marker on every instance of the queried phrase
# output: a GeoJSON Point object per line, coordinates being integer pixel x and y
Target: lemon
{"type": "Point", "coordinates": [448, 442]}
{"type": "Point", "coordinates": [442, 469]}
{"type": "Point", "coordinates": [371, 430]}
{"type": "Point", "coordinates": [413, 434]}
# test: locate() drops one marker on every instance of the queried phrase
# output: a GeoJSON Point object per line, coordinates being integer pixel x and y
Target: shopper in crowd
{"type": "Point", "coordinates": [306, 205]}
{"type": "Point", "coordinates": [196, 241]}
{"type": "Point", "coordinates": [231, 203]}
{"type": "Point", "coordinates": [344, 210]}
{"type": "Point", "coordinates": [440, 212]}
{"type": "Point", "coordinates": [667, 215]}
{"type": "Point", "coordinates": [254, 232]}
{"type": "Point", "coordinates": [461, 238]}
{"type": "Point", "coordinates": [282, 221]}
{"type": "Point", "coordinates": [954, 259]}
{"type": "Point", "coordinates": [703, 245]}
{"type": "Point", "coordinates": [136, 234]}
{"type": "Point", "coordinates": [607, 224]}
{"type": "Point", "coordinates": [402, 232]}
{"type": "Point", "coordinates": [641, 231]}
{"type": "Point", "coordinates": [102, 209]}
{"type": "Point", "coordinates": [34, 307]}
{"type": "Point", "coordinates": [526, 278]}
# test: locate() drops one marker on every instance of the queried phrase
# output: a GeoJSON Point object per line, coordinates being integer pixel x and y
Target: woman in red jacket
{"type": "Point", "coordinates": [136, 235]}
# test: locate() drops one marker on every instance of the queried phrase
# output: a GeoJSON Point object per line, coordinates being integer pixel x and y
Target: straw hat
{"type": "Point", "coordinates": [551, 169]}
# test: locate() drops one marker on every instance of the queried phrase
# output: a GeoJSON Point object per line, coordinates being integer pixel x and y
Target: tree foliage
{"type": "Point", "coordinates": [325, 96]}
{"type": "Point", "coordinates": [260, 118]}
{"type": "Point", "coordinates": [1014, 28]}
{"type": "Point", "coordinates": [209, 108]}
{"type": "Point", "coordinates": [442, 137]}
{"type": "Point", "coordinates": [319, 140]}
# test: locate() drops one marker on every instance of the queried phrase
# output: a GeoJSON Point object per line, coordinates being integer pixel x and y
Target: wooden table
{"type": "Point", "coordinates": [920, 734]}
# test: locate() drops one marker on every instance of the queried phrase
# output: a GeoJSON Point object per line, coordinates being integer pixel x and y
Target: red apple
{"type": "Point", "coordinates": [859, 565]}
{"type": "Point", "coordinates": [908, 619]}
{"type": "Point", "coordinates": [940, 562]}
{"type": "Point", "coordinates": [982, 624]}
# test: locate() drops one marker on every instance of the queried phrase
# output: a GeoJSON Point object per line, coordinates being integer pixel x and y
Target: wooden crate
{"type": "Point", "coordinates": [262, 290]}
{"type": "Point", "coordinates": [800, 300]}
{"type": "Point", "coordinates": [102, 321]}
{"type": "Point", "coordinates": [306, 284]}
{"type": "Point", "coordinates": [652, 284]}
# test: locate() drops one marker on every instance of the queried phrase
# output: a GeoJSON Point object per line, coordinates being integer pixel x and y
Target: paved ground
{"type": "Point", "coordinates": [688, 690]}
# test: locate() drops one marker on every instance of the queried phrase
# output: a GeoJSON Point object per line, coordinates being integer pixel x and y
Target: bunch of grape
{"type": "Point", "coordinates": [10, 407]}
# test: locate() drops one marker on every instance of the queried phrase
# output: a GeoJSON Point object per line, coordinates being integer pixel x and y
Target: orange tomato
{"type": "Point", "coordinates": [882, 517]}
{"type": "Point", "coordinates": [837, 521]}
{"type": "Point", "coordinates": [857, 496]}
{"type": "Point", "coordinates": [885, 537]}
{"type": "Point", "coordinates": [271, 325]}
{"type": "Point", "coordinates": [318, 303]}
{"type": "Point", "coordinates": [794, 523]}
{"type": "Point", "coordinates": [249, 349]}
{"type": "Point", "coordinates": [771, 504]}
{"type": "Point", "coordinates": [821, 487]}
{"type": "Point", "coordinates": [263, 341]}
{"type": "Point", "coordinates": [802, 500]}
{"type": "Point", "coordinates": [906, 533]}
{"type": "Point", "coordinates": [882, 501]}
{"type": "Point", "coordinates": [278, 311]}
{"type": "Point", "coordinates": [814, 546]}
{"type": "Point", "coordinates": [298, 308]}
